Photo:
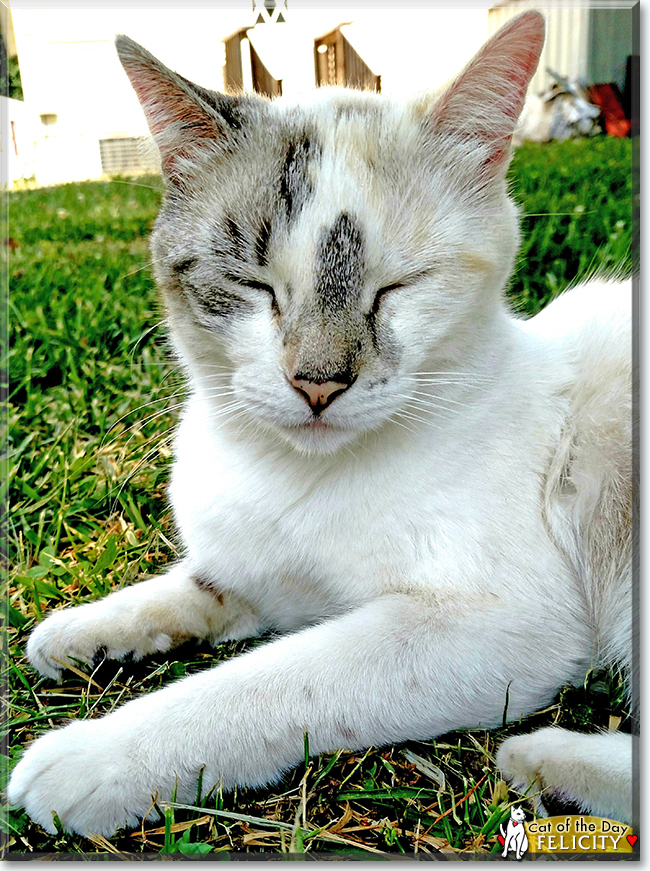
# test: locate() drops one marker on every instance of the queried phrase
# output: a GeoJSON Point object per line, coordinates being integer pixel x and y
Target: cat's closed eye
{"type": "Point", "coordinates": [254, 284]}
{"type": "Point", "coordinates": [397, 285]}
{"type": "Point", "coordinates": [384, 291]}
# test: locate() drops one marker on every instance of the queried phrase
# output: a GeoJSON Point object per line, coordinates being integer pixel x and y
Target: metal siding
{"type": "Point", "coordinates": [610, 44]}
{"type": "Point", "coordinates": [126, 154]}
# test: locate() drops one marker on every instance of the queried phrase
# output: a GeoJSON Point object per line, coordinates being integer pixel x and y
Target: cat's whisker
{"type": "Point", "coordinates": [215, 374]}
{"type": "Point", "coordinates": [443, 414]}
{"type": "Point", "coordinates": [461, 385]}
{"type": "Point", "coordinates": [144, 336]}
{"type": "Point", "coordinates": [439, 399]}
{"type": "Point", "coordinates": [144, 444]}
{"type": "Point", "coordinates": [452, 377]}
{"type": "Point", "coordinates": [150, 262]}
{"type": "Point", "coordinates": [136, 184]}
{"type": "Point", "coordinates": [397, 423]}
{"type": "Point", "coordinates": [139, 425]}
{"type": "Point", "coordinates": [151, 418]}
{"type": "Point", "coordinates": [212, 365]}
{"type": "Point", "coordinates": [133, 411]}
{"type": "Point", "coordinates": [431, 407]}
{"type": "Point", "coordinates": [220, 409]}
{"type": "Point", "coordinates": [228, 411]}
{"type": "Point", "coordinates": [251, 422]}
{"type": "Point", "coordinates": [217, 391]}
{"type": "Point", "coordinates": [416, 418]}
{"type": "Point", "coordinates": [166, 440]}
{"type": "Point", "coordinates": [139, 269]}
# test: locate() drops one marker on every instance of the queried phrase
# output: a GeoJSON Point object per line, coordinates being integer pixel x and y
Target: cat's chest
{"type": "Point", "coordinates": [312, 538]}
{"type": "Point", "coordinates": [328, 543]}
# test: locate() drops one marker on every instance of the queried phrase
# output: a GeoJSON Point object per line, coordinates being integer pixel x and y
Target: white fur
{"type": "Point", "coordinates": [593, 771]}
{"type": "Point", "coordinates": [443, 545]}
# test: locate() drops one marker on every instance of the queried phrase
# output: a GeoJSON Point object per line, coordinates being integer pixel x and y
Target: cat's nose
{"type": "Point", "coordinates": [319, 396]}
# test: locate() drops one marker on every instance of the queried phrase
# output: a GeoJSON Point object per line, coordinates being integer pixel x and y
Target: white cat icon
{"type": "Point", "coordinates": [515, 839]}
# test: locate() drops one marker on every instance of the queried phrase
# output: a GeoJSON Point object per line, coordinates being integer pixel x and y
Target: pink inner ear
{"type": "Point", "coordinates": [177, 121]}
{"type": "Point", "coordinates": [165, 104]}
{"type": "Point", "coordinates": [487, 98]}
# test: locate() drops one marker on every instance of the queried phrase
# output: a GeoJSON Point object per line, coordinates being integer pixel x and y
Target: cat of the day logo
{"type": "Point", "coordinates": [575, 834]}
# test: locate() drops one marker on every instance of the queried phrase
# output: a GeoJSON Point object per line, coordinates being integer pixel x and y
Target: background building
{"type": "Point", "coordinates": [80, 118]}
{"type": "Point", "coordinates": [587, 42]}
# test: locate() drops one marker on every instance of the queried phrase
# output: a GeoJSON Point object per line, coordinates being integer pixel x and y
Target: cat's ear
{"type": "Point", "coordinates": [484, 102]}
{"type": "Point", "coordinates": [184, 118]}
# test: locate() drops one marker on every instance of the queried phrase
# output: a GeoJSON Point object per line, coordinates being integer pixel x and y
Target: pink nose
{"type": "Point", "coordinates": [318, 396]}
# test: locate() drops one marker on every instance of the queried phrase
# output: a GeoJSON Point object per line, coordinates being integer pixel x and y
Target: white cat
{"type": "Point", "coordinates": [515, 839]}
{"type": "Point", "coordinates": [431, 497]}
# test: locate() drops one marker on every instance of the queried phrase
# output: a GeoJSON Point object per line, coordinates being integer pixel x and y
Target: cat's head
{"type": "Point", "coordinates": [517, 814]}
{"type": "Point", "coordinates": [315, 258]}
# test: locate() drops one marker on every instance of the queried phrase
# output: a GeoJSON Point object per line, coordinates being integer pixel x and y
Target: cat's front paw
{"type": "Point", "coordinates": [88, 774]}
{"type": "Point", "coordinates": [84, 632]}
{"type": "Point", "coordinates": [524, 761]}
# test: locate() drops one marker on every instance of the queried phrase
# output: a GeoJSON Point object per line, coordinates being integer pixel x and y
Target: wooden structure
{"type": "Point", "coordinates": [338, 63]}
{"type": "Point", "coordinates": [244, 64]}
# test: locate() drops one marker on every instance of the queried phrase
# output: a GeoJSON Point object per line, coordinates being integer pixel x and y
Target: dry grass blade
{"type": "Point", "coordinates": [78, 672]}
{"type": "Point", "coordinates": [259, 839]}
{"type": "Point", "coordinates": [229, 815]}
{"type": "Point", "coordinates": [356, 845]}
{"type": "Point", "coordinates": [427, 768]}
{"type": "Point", "coordinates": [105, 844]}
{"type": "Point", "coordinates": [455, 805]}
{"type": "Point", "coordinates": [174, 828]}
{"type": "Point", "coordinates": [345, 819]}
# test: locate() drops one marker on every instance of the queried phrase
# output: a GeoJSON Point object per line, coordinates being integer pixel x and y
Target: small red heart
{"type": "Point", "coordinates": [632, 839]}
{"type": "Point", "coordinates": [502, 840]}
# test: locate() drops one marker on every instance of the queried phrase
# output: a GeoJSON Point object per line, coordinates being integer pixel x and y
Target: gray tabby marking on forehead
{"type": "Point", "coordinates": [262, 242]}
{"type": "Point", "coordinates": [229, 240]}
{"type": "Point", "coordinates": [235, 243]}
{"type": "Point", "coordinates": [295, 184]}
{"type": "Point", "coordinates": [235, 237]}
{"type": "Point", "coordinates": [340, 264]}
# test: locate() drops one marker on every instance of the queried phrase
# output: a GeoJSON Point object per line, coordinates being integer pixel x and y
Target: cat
{"type": "Point", "coordinates": [428, 496]}
{"type": "Point", "coordinates": [515, 839]}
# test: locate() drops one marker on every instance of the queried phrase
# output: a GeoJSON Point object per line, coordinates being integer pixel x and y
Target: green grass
{"type": "Point", "coordinates": [576, 202]}
{"type": "Point", "coordinates": [85, 472]}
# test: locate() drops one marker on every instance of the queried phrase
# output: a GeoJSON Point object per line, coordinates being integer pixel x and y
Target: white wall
{"type": "Point", "coordinates": [17, 144]}
{"type": "Point", "coordinates": [69, 67]}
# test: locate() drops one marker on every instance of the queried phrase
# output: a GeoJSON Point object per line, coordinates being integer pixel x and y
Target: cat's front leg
{"type": "Point", "coordinates": [148, 617]}
{"type": "Point", "coordinates": [394, 669]}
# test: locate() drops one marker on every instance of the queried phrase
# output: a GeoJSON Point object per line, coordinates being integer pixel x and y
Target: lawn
{"type": "Point", "coordinates": [93, 399]}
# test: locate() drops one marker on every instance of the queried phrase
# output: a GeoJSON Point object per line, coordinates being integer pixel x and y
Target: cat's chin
{"type": "Point", "coordinates": [317, 437]}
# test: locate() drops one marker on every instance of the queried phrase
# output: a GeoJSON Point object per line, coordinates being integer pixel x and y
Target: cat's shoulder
{"type": "Point", "coordinates": [588, 331]}
{"type": "Point", "coordinates": [588, 316]}
{"type": "Point", "coordinates": [587, 334]}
